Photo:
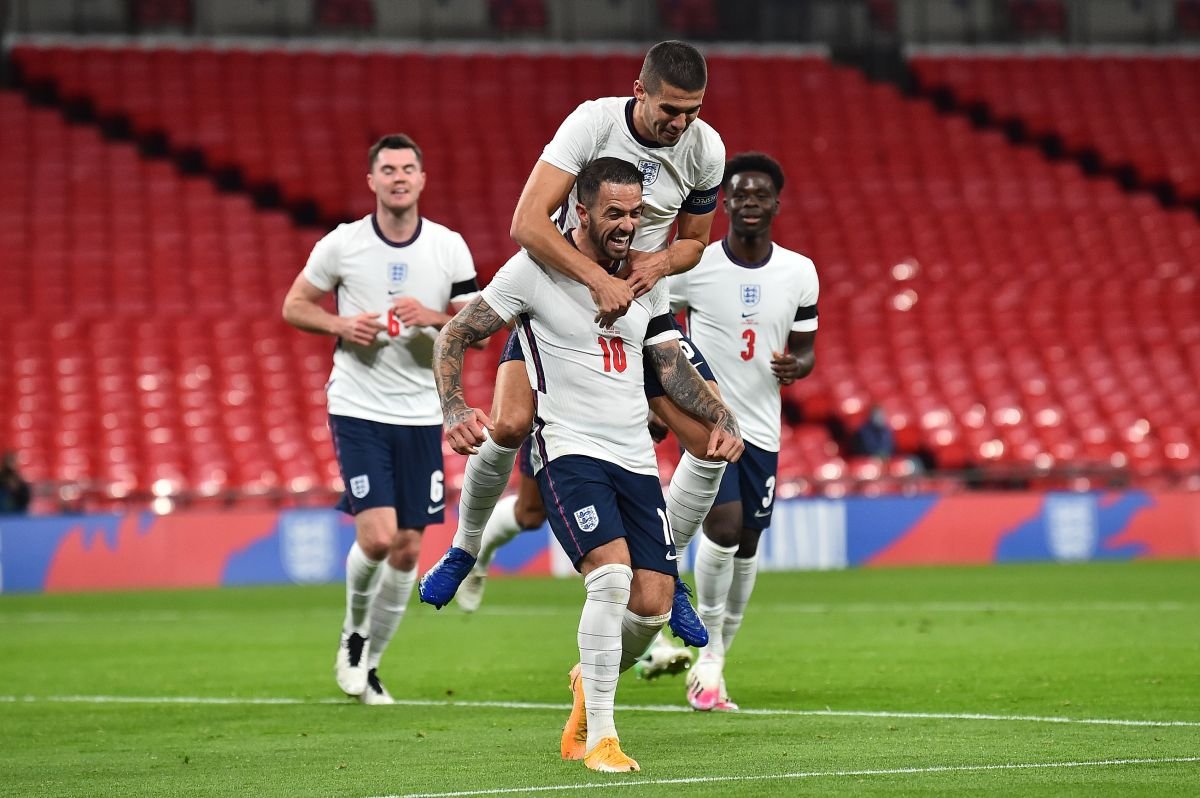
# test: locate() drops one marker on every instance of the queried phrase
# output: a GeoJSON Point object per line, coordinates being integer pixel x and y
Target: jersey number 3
{"type": "Point", "coordinates": [614, 354]}
{"type": "Point", "coordinates": [748, 352]}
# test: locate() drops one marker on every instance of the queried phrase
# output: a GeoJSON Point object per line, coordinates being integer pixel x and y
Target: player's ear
{"type": "Point", "coordinates": [639, 90]}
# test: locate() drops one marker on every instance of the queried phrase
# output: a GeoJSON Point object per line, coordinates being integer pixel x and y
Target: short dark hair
{"type": "Point", "coordinates": [604, 170]}
{"type": "Point", "coordinates": [753, 162]}
{"type": "Point", "coordinates": [676, 63]}
{"type": "Point", "coordinates": [393, 141]}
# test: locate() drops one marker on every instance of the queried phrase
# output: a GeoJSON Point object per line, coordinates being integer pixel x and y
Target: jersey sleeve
{"type": "Point", "coordinates": [703, 198]}
{"type": "Point", "coordinates": [464, 285]}
{"type": "Point", "coordinates": [322, 267]}
{"type": "Point", "coordinates": [806, 310]}
{"type": "Point", "coordinates": [574, 145]}
{"type": "Point", "coordinates": [677, 285]}
{"type": "Point", "coordinates": [513, 287]}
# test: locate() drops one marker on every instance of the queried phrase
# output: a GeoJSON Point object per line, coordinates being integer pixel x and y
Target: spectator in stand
{"type": "Point", "coordinates": [874, 438]}
{"type": "Point", "coordinates": [14, 490]}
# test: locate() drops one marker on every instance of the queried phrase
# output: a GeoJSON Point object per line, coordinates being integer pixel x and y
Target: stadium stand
{"type": "Point", "coordinates": [1137, 111]}
{"type": "Point", "coordinates": [1009, 313]}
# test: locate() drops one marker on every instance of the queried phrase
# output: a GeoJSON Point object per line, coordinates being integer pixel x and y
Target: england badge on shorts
{"type": "Point", "coordinates": [360, 486]}
{"type": "Point", "coordinates": [587, 518]}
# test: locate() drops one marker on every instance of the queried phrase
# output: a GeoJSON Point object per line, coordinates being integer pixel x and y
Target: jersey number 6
{"type": "Point", "coordinates": [614, 354]}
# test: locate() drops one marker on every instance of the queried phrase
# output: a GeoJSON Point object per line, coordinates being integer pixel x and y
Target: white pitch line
{"type": "Point", "coordinates": [812, 774]}
{"type": "Point", "coordinates": [806, 608]}
{"type": "Point", "coordinates": [530, 705]}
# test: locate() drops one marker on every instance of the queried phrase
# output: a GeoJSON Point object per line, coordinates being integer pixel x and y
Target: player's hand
{"type": "Point", "coordinates": [646, 269]}
{"type": "Point", "coordinates": [658, 430]}
{"type": "Point", "coordinates": [411, 312]}
{"type": "Point", "coordinates": [786, 368]}
{"type": "Point", "coordinates": [464, 429]}
{"type": "Point", "coordinates": [360, 329]}
{"type": "Point", "coordinates": [725, 442]}
{"type": "Point", "coordinates": [613, 297]}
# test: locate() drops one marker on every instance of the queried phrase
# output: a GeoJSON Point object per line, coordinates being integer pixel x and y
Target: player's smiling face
{"type": "Point", "coordinates": [664, 114]}
{"type": "Point", "coordinates": [612, 220]}
{"type": "Point", "coordinates": [751, 202]}
{"type": "Point", "coordinates": [397, 179]}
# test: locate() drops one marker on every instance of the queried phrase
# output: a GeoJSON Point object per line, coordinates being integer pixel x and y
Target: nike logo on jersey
{"type": "Point", "coordinates": [748, 315]}
{"type": "Point", "coordinates": [393, 293]}
{"type": "Point", "coordinates": [435, 508]}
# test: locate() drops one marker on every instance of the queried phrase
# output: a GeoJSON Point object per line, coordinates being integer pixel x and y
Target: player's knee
{"type": "Point", "coordinates": [510, 431]}
{"type": "Point", "coordinates": [404, 552]}
{"type": "Point", "coordinates": [724, 533]}
{"type": "Point", "coordinates": [375, 539]}
{"type": "Point", "coordinates": [748, 545]}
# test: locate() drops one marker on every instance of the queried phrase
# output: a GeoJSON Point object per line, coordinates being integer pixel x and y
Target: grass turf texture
{"type": "Point", "coordinates": [1099, 641]}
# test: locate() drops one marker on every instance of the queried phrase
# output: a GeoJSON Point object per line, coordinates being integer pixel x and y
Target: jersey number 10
{"type": "Point", "coordinates": [614, 354]}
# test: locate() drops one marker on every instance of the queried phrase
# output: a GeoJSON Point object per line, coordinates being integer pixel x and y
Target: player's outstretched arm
{"type": "Point", "coordinates": [545, 192]}
{"type": "Point", "coordinates": [464, 425]}
{"type": "Point", "coordinates": [691, 237]}
{"type": "Point", "coordinates": [302, 310]}
{"type": "Point", "coordinates": [688, 389]}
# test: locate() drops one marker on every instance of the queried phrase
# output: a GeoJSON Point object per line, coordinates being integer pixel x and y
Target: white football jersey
{"type": "Point", "coordinates": [590, 394]}
{"type": "Point", "coordinates": [390, 381]}
{"type": "Point", "coordinates": [683, 177]}
{"type": "Point", "coordinates": [737, 315]}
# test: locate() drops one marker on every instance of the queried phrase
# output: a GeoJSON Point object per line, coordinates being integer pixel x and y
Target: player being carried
{"type": "Point", "coordinates": [752, 307]}
{"type": "Point", "coordinates": [592, 453]}
{"type": "Point", "coordinates": [395, 273]}
{"type": "Point", "coordinates": [681, 159]}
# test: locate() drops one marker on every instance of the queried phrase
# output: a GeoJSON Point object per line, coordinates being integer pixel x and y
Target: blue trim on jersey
{"type": "Point", "coordinates": [701, 201]}
{"type": "Point", "coordinates": [729, 254]}
{"type": "Point", "coordinates": [533, 352]}
{"type": "Point", "coordinates": [633, 130]}
{"type": "Point", "coordinates": [397, 244]}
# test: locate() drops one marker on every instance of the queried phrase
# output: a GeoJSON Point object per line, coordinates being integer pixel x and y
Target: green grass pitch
{"type": "Point", "coordinates": [859, 682]}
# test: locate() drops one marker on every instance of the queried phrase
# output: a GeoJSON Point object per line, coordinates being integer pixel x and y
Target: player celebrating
{"type": "Point", "coordinates": [394, 273]}
{"type": "Point", "coordinates": [752, 308]}
{"type": "Point", "coordinates": [593, 455]}
{"type": "Point", "coordinates": [681, 159]}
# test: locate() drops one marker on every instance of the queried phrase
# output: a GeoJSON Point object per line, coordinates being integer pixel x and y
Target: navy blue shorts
{"type": "Point", "coordinates": [751, 481]}
{"type": "Point", "coordinates": [390, 465]}
{"type": "Point", "coordinates": [654, 389]}
{"type": "Point", "coordinates": [590, 502]}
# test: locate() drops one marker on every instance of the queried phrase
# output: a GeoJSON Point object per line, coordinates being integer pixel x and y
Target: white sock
{"type": "Point", "coordinates": [600, 645]}
{"type": "Point", "coordinates": [501, 528]}
{"type": "Point", "coordinates": [484, 481]}
{"type": "Point", "coordinates": [387, 610]}
{"type": "Point", "coordinates": [637, 631]}
{"type": "Point", "coordinates": [745, 571]}
{"type": "Point", "coordinates": [362, 577]}
{"type": "Point", "coordinates": [690, 496]}
{"type": "Point", "coordinates": [714, 574]}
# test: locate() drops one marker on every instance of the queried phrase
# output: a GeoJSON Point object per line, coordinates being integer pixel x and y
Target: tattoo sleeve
{"type": "Point", "coordinates": [473, 323]}
{"type": "Point", "coordinates": [687, 388]}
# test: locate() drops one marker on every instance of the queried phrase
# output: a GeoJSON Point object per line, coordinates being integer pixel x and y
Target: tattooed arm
{"type": "Point", "coordinates": [464, 425]}
{"type": "Point", "coordinates": [687, 389]}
